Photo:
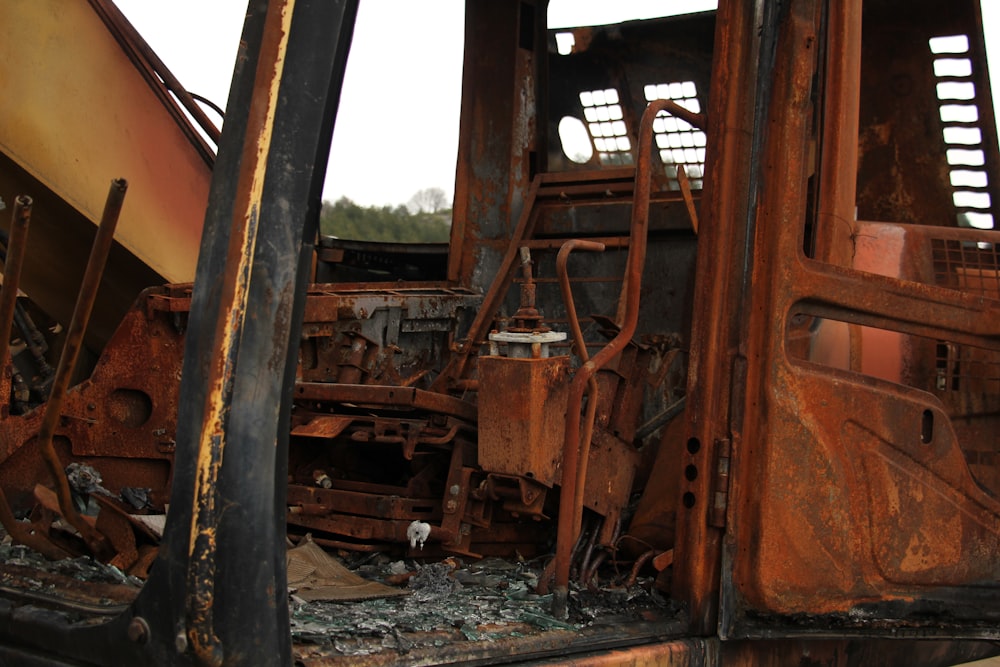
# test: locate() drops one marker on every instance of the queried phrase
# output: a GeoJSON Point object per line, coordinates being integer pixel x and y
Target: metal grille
{"type": "Point", "coordinates": [973, 267]}
{"type": "Point", "coordinates": [967, 266]}
{"type": "Point", "coordinates": [968, 369]}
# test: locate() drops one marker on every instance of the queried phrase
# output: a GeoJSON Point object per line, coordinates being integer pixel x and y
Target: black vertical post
{"type": "Point", "coordinates": [217, 594]}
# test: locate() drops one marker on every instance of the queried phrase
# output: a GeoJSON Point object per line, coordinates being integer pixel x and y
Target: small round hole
{"type": "Point", "coordinates": [694, 445]}
{"type": "Point", "coordinates": [688, 500]}
{"type": "Point", "coordinates": [691, 472]}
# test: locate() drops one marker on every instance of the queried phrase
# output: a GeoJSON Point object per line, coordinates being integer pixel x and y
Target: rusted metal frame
{"type": "Point", "coordinates": [385, 290]}
{"type": "Point", "coordinates": [943, 233]}
{"type": "Point", "coordinates": [17, 242]}
{"type": "Point", "coordinates": [575, 188]}
{"type": "Point", "coordinates": [407, 434]}
{"type": "Point", "coordinates": [629, 306]}
{"type": "Point", "coordinates": [408, 397]}
{"type": "Point", "coordinates": [319, 502]}
{"type": "Point", "coordinates": [719, 280]}
{"type": "Point", "coordinates": [492, 175]}
{"type": "Point", "coordinates": [838, 158]}
{"type": "Point", "coordinates": [455, 502]}
{"type": "Point", "coordinates": [779, 224]}
{"type": "Point", "coordinates": [160, 79]}
{"type": "Point", "coordinates": [103, 240]}
{"type": "Point", "coordinates": [602, 191]}
{"type": "Point", "coordinates": [915, 308]}
{"type": "Point", "coordinates": [626, 175]}
{"type": "Point", "coordinates": [498, 289]}
{"type": "Point", "coordinates": [370, 488]}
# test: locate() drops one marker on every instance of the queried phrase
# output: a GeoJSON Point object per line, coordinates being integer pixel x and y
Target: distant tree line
{"type": "Point", "coordinates": [424, 220]}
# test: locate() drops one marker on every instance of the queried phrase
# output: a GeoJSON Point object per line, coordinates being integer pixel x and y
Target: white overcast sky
{"type": "Point", "coordinates": [397, 128]}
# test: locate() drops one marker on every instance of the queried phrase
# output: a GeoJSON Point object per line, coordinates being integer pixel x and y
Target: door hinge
{"type": "Point", "coordinates": [720, 484]}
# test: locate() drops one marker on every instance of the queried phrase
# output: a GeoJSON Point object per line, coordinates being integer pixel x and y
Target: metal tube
{"type": "Point", "coordinates": [674, 109]}
{"type": "Point", "coordinates": [567, 293]}
{"type": "Point", "coordinates": [568, 520]}
{"type": "Point", "coordinates": [639, 562]}
{"type": "Point", "coordinates": [562, 260]}
{"type": "Point", "coordinates": [20, 220]}
{"type": "Point", "coordinates": [8, 300]}
{"type": "Point", "coordinates": [103, 241]}
{"type": "Point", "coordinates": [33, 339]}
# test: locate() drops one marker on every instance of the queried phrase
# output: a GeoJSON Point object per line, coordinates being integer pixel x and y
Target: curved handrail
{"type": "Point", "coordinates": [572, 487]}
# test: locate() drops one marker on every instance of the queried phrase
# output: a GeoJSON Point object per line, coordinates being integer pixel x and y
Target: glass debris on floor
{"type": "Point", "coordinates": [82, 568]}
{"type": "Point", "coordinates": [81, 587]}
{"type": "Point", "coordinates": [451, 601]}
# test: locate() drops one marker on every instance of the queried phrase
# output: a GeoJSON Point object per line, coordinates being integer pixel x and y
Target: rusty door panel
{"type": "Point", "coordinates": [851, 498]}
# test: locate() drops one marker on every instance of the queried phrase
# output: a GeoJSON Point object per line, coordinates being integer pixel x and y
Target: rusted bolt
{"type": "Point", "coordinates": [181, 642]}
{"type": "Point", "coordinates": [451, 505]}
{"type": "Point", "coordinates": [138, 630]}
{"type": "Point", "coordinates": [455, 489]}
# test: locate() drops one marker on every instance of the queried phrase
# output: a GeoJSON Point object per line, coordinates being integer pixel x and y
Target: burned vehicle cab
{"type": "Point", "coordinates": [487, 358]}
{"type": "Point", "coordinates": [712, 361]}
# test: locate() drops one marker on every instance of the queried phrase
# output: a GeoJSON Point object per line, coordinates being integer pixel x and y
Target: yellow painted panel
{"type": "Point", "coordinates": [75, 113]}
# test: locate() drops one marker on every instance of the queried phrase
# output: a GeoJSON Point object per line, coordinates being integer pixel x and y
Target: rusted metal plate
{"type": "Point", "coordinates": [522, 416]}
{"type": "Point", "coordinates": [610, 474]}
{"type": "Point", "coordinates": [122, 421]}
{"type": "Point", "coordinates": [850, 494]}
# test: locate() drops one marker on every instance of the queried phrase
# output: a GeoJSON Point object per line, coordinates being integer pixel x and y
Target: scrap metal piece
{"type": "Point", "coordinates": [96, 542]}
{"type": "Point", "coordinates": [8, 299]}
{"type": "Point", "coordinates": [84, 479]}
